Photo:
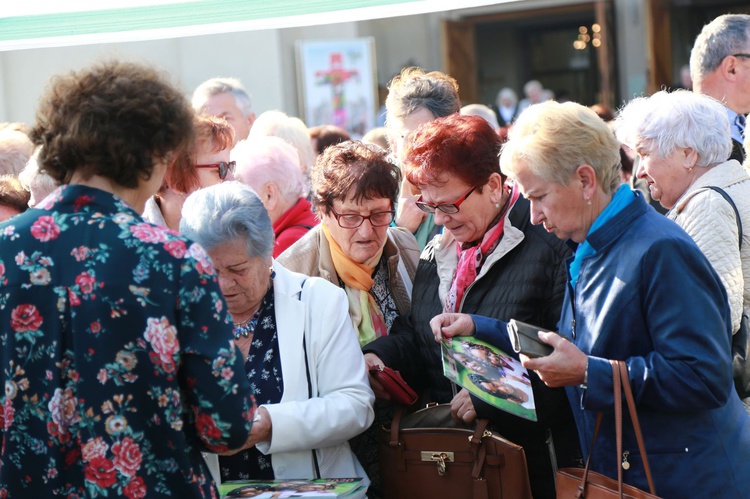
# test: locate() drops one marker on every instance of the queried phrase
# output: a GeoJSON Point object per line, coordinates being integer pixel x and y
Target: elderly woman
{"type": "Point", "coordinates": [270, 166]}
{"type": "Point", "coordinates": [113, 384]}
{"type": "Point", "coordinates": [640, 290]}
{"type": "Point", "coordinates": [489, 260]}
{"type": "Point", "coordinates": [300, 351]}
{"type": "Point", "coordinates": [203, 163]}
{"type": "Point", "coordinates": [354, 189]}
{"type": "Point", "coordinates": [683, 139]}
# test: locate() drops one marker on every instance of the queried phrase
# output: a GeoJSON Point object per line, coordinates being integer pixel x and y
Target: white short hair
{"type": "Point", "coordinates": [216, 86]}
{"type": "Point", "coordinates": [291, 129]}
{"type": "Point", "coordinates": [668, 120]}
{"type": "Point", "coordinates": [270, 159]}
{"type": "Point", "coordinates": [483, 112]}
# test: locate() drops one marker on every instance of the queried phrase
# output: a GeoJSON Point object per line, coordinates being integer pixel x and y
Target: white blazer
{"type": "Point", "coordinates": [342, 403]}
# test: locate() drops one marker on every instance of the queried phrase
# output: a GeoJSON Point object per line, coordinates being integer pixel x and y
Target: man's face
{"type": "Point", "coordinates": [225, 106]}
{"type": "Point", "coordinates": [399, 128]}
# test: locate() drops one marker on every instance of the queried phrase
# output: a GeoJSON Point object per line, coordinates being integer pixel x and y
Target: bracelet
{"type": "Point", "coordinates": [585, 376]}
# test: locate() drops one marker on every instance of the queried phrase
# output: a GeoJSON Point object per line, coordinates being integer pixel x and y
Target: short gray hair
{"type": "Point", "coordinates": [668, 120]}
{"type": "Point", "coordinates": [416, 89]}
{"type": "Point", "coordinates": [15, 150]}
{"type": "Point", "coordinates": [292, 129]}
{"type": "Point", "coordinates": [271, 159]}
{"type": "Point", "coordinates": [216, 86]}
{"type": "Point", "coordinates": [220, 213]}
{"type": "Point", "coordinates": [506, 93]}
{"type": "Point", "coordinates": [483, 112]}
{"type": "Point", "coordinates": [722, 37]}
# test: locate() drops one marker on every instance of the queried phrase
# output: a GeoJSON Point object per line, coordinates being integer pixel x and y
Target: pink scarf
{"type": "Point", "coordinates": [470, 260]}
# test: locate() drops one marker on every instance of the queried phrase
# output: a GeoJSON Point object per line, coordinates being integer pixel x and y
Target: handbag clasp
{"type": "Point", "coordinates": [440, 457]}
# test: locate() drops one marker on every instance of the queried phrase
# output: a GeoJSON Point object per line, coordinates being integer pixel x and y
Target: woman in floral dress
{"type": "Point", "coordinates": [116, 349]}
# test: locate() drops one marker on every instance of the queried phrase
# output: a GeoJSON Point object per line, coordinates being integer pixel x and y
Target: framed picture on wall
{"type": "Point", "coordinates": [337, 83]}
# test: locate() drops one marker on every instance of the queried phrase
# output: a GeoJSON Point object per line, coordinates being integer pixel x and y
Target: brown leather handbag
{"type": "Point", "coordinates": [428, 455]}
{"type": "Point", "coordinates": [583, 483]}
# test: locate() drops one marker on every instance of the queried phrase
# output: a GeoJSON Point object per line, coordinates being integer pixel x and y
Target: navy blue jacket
{"type": "Point", "coordinates": [648, 296]}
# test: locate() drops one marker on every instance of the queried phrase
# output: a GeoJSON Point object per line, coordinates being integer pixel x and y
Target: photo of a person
{"type": "Point", "coordinates": [499, 387]}
{"type": "Point", "coordinates": [489, 374]}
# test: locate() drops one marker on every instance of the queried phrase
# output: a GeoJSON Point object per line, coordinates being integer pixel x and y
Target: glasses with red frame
{"type": "Point", "coordinates": [448, 208]}
{"type": "Point", "coordinates": [224, 167]}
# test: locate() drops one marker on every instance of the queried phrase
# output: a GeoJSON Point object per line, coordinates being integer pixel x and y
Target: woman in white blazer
{"type": "Point", "coordinates": [301, 353]}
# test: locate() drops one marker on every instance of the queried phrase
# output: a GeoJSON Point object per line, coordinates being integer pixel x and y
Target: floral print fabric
{"type": "Point", "coordinates": [116, 355]}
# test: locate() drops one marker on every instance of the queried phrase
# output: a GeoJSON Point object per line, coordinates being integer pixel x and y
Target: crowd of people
{"type": "Point", "coordinates": [192, 294]}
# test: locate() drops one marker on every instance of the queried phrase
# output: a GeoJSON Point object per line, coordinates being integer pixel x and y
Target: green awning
{"type": "Point", "coordinates": [36, 26]}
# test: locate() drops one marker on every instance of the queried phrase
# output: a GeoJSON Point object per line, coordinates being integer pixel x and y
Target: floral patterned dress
{"type": "Point", "coordinates": [116, 355]}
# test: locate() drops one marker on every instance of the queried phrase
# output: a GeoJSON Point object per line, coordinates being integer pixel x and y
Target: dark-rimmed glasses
{"type": "Point", "coordinates": [447, 208]}
{"type": "Point", "coordinates": [351, 221]}
{"type": "Point", "coordinates": [746, 56]}
{"type": "Point", "coordinates": [223, 166]}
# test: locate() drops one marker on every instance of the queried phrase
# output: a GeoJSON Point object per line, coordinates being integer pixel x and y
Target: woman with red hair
{"type": "Point", "coordinates": [203, 163]}
{"type": "Point", "coordinates": [489, 260]}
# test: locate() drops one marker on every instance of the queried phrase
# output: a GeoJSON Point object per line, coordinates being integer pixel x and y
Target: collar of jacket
{"type": "Point", "coordinates": [617, 225]}
{"type": "Point", "coordinates": [723, 175]}
{"type": "Point", "coordinates": [446, 258]}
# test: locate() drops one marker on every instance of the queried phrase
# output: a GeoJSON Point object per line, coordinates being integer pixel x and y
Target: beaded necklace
{"type": "Point", "coordinates": [247, 327]}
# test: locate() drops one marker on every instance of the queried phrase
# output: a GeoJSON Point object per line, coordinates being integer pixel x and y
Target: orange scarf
{"type": "Point", "coordinates": [364, 311]}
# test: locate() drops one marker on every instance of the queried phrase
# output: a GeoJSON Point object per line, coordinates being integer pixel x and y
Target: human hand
{"type": "Point", "coordinates": [565, 366]}
{"type": "Point", "coordinates": [408, 215]}
{"type": "Point", "coordinates": [372, 361]}
{"type": "Point", "coordinates": [462, 408]}
{"type": "Point", "coordinates": [260, 432]}
{"type": "Point", "coordinates": [450, 325]}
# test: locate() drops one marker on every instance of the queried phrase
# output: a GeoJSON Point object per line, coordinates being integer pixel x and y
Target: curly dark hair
{"type": "Point", "coordinates": [353, 164]}
{"type": "Point", "coordinates": [114, 119]}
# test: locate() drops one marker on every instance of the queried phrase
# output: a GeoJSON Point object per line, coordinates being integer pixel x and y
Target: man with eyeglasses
{"type": "Point", "coordinates": [720, 68]}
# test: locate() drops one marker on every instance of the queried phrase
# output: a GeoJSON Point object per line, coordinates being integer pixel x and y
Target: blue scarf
{"type": "Point", "coordinates": [623, 197]}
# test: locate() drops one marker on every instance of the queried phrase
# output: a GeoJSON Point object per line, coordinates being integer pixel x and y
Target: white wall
{"type": "Point", "coordinates": [254, 57]}
{"type": "Point", "coordinates": [265, 60]}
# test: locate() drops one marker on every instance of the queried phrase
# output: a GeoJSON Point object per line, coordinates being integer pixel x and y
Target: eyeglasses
{"type": "Point", "coordinates": [223, 167]}
{"type": "Point", "coordinates": [747, 56]}
{"type": "Point", "coordinates": [449, 208]}
{"type": "Point", "coordinates": [350, 221]}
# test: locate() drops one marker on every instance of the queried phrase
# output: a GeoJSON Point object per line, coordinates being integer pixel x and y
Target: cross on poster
{"type": "Point", "coordinates": [337, 84]}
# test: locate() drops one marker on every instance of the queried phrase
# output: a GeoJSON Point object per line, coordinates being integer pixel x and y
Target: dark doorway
{"type": "Point", "coordinates": [540, 46]}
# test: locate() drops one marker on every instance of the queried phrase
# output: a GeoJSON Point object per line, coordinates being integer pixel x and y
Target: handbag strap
{"type": "Point", "coordinates": [309, 383]}
{"type": "Point", "coordinates": [734, 207]}
{"type": "Point", "coordinates": [620, 383]}
{"type": "Point", "coordinates": [623, 368]}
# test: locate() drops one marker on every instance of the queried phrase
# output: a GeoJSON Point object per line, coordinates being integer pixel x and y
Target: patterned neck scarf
{"type": "Point", "coordinates": [357, 278]}
{"type": "Point", "coordinates": [470, 260]}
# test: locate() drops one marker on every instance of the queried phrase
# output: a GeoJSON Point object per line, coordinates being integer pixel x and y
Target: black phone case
{"type": "Point", "coordinates": [525, 339]}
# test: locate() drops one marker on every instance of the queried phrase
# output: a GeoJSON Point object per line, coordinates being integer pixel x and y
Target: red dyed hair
{"type": "Point", "coordinates": [463, 146]}
{"type": "Point", "coordinates": [211, 133]}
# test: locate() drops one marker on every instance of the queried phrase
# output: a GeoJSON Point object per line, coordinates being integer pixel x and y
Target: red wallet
{"type": "Point", "coordinates": [394, 384]}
